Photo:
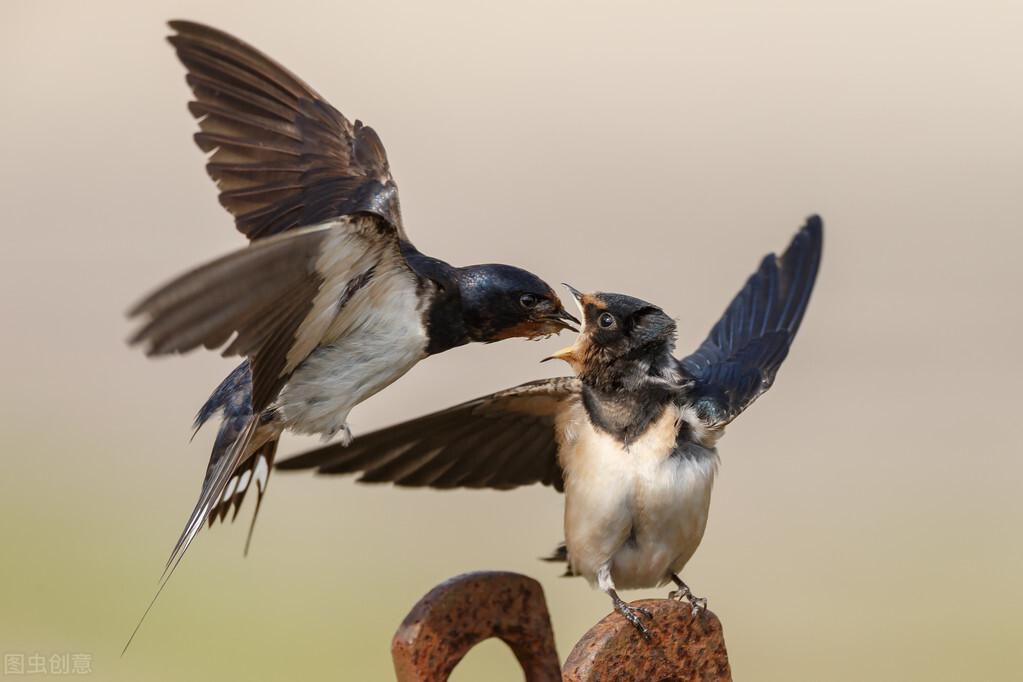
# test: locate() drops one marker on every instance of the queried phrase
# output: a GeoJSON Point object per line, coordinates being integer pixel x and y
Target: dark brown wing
{"type": "Point", "coordinates": [503, 440]}
{"type": "Point", "coordinates": [281, 155]}
{"type": "Point", "coordinates": [277, 298]}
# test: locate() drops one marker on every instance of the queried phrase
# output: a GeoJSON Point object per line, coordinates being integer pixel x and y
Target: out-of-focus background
{"type": "Point", "coordinates": [867, 518]}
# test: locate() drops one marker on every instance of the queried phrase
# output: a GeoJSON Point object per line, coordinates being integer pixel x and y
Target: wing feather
{"type": "Point", "coordinates": [272, 301]}
{"type": "Point", "coordinates": [502, 440]}
{"type": "Point", "coordinates": [280, 154]}
{"type": "Point", "coordinates": [740, 357]}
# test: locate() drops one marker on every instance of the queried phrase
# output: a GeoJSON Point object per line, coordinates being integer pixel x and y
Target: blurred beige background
{"type": "Point", "coordinates": [867, 518]}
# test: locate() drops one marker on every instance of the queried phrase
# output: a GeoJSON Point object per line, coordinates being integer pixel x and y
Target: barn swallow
{"type": "Point", "coordinates": [330, 302]}
{"type": "Point", "coordinates": [630, 440]}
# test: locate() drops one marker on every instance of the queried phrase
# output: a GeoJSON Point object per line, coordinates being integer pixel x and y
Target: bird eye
{"type": "Point", "coordinates": [606, 320]}
{"type": "Point", "coordinates": [528, 300]}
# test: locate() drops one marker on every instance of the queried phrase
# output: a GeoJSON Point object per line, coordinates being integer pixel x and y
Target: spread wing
{"type": "Point", "coordinates": [502, 440]}
{"type": "Point", "coordinates": [276, 299]}
{"type": "Point", "coordinates": [741, 355]}
{"type": "Point", "coordinates": [282, 156]}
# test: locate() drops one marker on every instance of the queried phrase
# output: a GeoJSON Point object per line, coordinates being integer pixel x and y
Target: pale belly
{"type": "Point", "coordinates": [641, 509]}
{"type": "Point", "coordinates": [377, 339]}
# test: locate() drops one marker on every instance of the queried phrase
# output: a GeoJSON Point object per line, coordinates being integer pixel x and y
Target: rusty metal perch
{"type": "Point", "coordinates": [463, 611]}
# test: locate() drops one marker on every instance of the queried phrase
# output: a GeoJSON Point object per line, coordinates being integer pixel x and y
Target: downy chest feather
{"type": "Point", "coordinates": [375, 338]}
{"type": "Point", "coordinates": [641, 507]}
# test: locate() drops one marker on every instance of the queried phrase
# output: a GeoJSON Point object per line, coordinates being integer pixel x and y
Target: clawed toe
{"type": "Point", "coordinates": [630, 613]}
{"type": "Point", "coordinates": [683, 592]}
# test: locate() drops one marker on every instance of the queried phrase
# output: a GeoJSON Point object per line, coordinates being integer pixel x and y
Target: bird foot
{"type": "Point", "coordinates": [632, 614]}
{"type": "Point", "coordinates": [699, 604]}
{"type": "Point", "coordinates": [346, 435]}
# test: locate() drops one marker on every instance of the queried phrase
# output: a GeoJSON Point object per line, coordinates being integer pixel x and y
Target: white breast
{"type": "Point", "coordinates": [637, 507]}
{"type": "Point", "coordinates": [375, 338]}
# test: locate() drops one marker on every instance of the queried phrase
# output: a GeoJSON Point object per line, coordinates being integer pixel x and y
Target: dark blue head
{"type": "Point", "coordinates": [503, 302]}
{"type": "Point", "coordinates": [618, 330]}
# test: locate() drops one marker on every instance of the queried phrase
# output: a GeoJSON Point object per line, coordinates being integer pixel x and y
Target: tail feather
{"type": "Point", "coordinates": [216, 483]}
{"type": "Point", "coordinates": [236, 462]}
{"type": "Point", "coordinates": [255, 469]}
{"type": "Point", "coordinates": [261, 475]}
{"type": "Point", "coordinates": [233, 400]}
{"type": "Point", "coordinates": [560, 554]}
{"type": "Point", "coordinates": [254, 472]}
{"type": "Point", "coordinates": [217, 479]}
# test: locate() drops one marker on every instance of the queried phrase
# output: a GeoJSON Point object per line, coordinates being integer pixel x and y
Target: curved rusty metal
{"type": "Point", "coordinates": [683, 648]}
{"type": "Point", "coordinates": [462, 612]}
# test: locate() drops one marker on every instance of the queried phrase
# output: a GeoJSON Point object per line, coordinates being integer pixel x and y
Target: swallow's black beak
{"type": "Point", "coordinates": [562, 318]}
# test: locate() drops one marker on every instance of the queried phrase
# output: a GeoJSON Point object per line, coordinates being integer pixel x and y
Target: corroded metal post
{"type": "Point", "coordinates": [683, 648]}
{"type": "Point", "coordinates": [461, 612]}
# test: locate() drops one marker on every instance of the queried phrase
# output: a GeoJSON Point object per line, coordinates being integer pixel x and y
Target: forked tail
{"type": "Point", "coordinates": [237, 463]}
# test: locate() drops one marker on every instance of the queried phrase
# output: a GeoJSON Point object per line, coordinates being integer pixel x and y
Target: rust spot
{"type": "Point", "coordinates": [462, 612]}
{"type": "Point", "coordinates": [683, 648]}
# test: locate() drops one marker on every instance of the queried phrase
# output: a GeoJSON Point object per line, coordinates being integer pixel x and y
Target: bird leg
{"type": "Point", "coordinates": [345, 431]}
{"type": "Point", "coordinates": [683, 592]}
{"type": "Point", "coordinates": [631, 613]}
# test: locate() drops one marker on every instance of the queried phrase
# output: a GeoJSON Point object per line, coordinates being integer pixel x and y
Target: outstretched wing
{"type": "Point", "coordinates": [738, 360]}
{"type": "Point", "coordinates": [501, 441]}
{"type": "Point", "coordinates": [282, 156]}
{"type": "Point", "coordinates": [276, 299]}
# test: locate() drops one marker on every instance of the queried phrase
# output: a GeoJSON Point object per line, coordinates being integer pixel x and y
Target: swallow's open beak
{"type": "Point", "coordinates": [562, 318]}
{"type": "Point", "coordinates": [569, 355]}
{"type": "Point", "coordinates": [578, 297]}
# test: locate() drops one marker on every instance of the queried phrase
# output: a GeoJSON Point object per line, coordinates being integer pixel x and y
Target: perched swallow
{"type": "Point", "coordinates": [631, 440]}
{"type": "Point", "coordinates": [330, 302]}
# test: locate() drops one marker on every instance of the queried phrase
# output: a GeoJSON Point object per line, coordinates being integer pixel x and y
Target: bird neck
{"type": "Point", "coordinates": [442, 314]}
{"type": "Point", "coordinates": [460, 309]}
{"type": "Point", "coordinates": [649, 367]}
{"type": "Point", "coordinates": [624, 415]}
{"type": "Point", "coordinates": [623, 396]}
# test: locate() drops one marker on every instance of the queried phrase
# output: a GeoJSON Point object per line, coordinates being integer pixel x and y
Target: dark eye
{"type": "Point", "coordinates": [606, 320]}
{"type": "Point", "coordinates": [528, 300]}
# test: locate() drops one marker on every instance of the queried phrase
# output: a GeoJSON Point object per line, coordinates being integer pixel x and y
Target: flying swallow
{"type": "Point", "coordinates": [631, 439]}
{"type": "Point", "coordinates": [330, 302]}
